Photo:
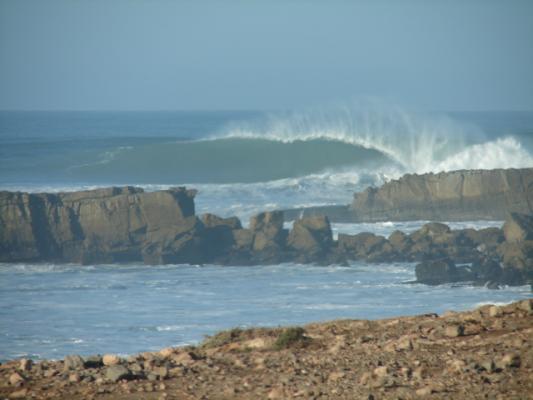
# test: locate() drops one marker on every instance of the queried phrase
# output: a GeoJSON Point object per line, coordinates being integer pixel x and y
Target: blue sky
{"type": "Point", "coordinates": [167, 55]}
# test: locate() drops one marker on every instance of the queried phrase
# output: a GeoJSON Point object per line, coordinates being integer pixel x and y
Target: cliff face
{"type": "Point", "coordinates": [103, 225]}
{"type": "Point", "coordinates": [458, 195]}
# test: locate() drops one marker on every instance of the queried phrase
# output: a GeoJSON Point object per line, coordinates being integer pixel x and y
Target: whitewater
{"type": "Point", "coordinates": [240, 163]}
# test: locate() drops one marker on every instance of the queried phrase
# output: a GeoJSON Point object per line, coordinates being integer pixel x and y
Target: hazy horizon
{"type": "Point", "coordinates": [178, 56]}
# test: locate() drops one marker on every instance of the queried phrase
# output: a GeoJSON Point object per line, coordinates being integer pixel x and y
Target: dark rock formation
{"type": "Point", "coordinates": [95, 226]}
{"type": "Point", "coordinates": [449, 196]}
{"type": "Point", "coordinates": [129, 225]}
{"type": "Point", "coordinates": [458, 195]}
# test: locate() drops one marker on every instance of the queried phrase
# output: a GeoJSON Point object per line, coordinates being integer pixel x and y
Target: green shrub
{"type": "Point", "coordinates": [222, 338]}
{"type": "Point", "coordinates": [290, 337]}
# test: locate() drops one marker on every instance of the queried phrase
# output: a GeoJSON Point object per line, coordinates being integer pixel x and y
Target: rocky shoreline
{"type": "Point", "coordinates": [121, 225]}
{"type": "Point", "coordinates": [478, 354]}
{"type": "Point", "coordinates": [446, 196]}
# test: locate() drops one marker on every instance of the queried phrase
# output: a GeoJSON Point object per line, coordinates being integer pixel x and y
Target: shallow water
{"type": "Point", "coordinates": [49, 311]}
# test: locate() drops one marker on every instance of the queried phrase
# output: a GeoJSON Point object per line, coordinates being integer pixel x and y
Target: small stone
{"type": "Point", "coordinates": [405, 344]}
{"type": "Point", "coordinates": [335, 376]}
{"type": "Point", "coordinates": [25, 364]}
{"type": "Point", "coordinates": [93, 362]}
{"type": "Point", "coordinates": [19, 394]}
{"type": "Point", "coordinates": [425, 391]}
{"type": "Point", "coordinates": [167, 352]}
{"type": "Point", "coordinates": [73, 362]}
{"type": "Point", "coordinates": [510, 361]}
{"type": "Point", "coordinates": [526, 305]}
{"type": "Point", "coordinates": [381, 371]}
{"type": "Point", "coordinates": [182, 358]}
{"type": "Point", "coordinates": [161, 372]}
{"type": "Point", "coordinates": [110, 359]}
{"type": "Point", "coordinates": [457, 365]}
{"type": "Point", "coordinates": [276, 393]}
{"type": "Point", "coordinates": [135, 367]}
{"type": "Point", "coordinates": [495, 311]}
{"type": "Point", "coordinates": [454, 330]}
{"type": "Point", "coordinates": [116, 373]}
{"type": "Point", "coordinates": [149, 387]}
{"type": "Point", "coordinates": [488, 365]}
{"type": "Point", "coordinates": [74, 378]}
{"type": "Point", "coordinates": [419, 373]}
{"type": "Point", "coordinates": [15, 378]}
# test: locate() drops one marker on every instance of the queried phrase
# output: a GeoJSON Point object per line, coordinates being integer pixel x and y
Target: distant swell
{"type": "Point", "coordinates": [342, 139]}
{"type": "Point", "coordinates": [231, 160]}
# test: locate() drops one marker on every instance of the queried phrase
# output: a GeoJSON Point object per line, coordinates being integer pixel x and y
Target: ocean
{"type": "Point", "coordinates": [241, 162]}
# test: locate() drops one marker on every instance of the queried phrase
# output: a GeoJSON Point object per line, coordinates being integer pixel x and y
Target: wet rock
{"type": "Point", "coordinates": [311, 234]}
{"type": "Point", "coordinates": [438, 272]}
{"type": "Point", "coordinates": [400, 241]}
{"type": "Point", "coordinates": [456, 195]}
{"type": "Point", "coordinates": [268, 231]}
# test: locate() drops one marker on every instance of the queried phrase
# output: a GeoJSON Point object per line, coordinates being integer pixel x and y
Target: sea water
{"type": "Point", "coordinates": [241, 163]}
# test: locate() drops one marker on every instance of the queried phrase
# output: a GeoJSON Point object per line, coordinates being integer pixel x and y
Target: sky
{"type": "Point", "coordinates": [223, 55]}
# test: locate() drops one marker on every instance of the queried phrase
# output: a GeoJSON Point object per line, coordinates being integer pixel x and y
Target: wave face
{"type": "Point", "coordinates": [245, 162]}
{"type": "Point", "coordinates": [416, 142]}
{"type": "Point", "coordinates": [293, 145]}
{"type": "Point", "coordinates": [230, 160]}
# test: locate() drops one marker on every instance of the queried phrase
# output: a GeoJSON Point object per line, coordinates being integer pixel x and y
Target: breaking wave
{"type": "Point", "coordinates": [320, 142]}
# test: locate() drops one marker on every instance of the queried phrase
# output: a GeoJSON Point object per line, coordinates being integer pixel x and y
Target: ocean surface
{"type": "Point", "coordinates": [241, 163]}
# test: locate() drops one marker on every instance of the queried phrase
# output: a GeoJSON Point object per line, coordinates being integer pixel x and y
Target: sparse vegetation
{"type": "Point", "coordinates": [290, 337]}
{"type": "Point", "coordinates": [222, 338]}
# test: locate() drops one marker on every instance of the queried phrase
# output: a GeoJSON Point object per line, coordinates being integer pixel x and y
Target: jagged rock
{"type": "Point", "coordinates": [268, 231]}
{"type": "Point", "coordinates": [518, 228]}
{"type": "Point", "coordinates": [311, 235]}
{"type": "Point", "coordinates": [440, 271]}
{"type": "Point", "coordinates": [457, 195]}
{"type": "Point", "coordinates": [110, 359]}
{"type": "Point", "coordinates": [102, 225]}
{"type": "Point", "coordinates": [116, 373]}
{"type": "Point", "coordinates": [400, 241]}
{"type": "Point", "coordinates": [73, 362]}
{"type": "Point", "coordinates": [95, 361]}
{"type": "Point", "coordinates": [365, 246]}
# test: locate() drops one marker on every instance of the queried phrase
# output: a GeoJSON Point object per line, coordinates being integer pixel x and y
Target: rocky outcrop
{"type": "Point", "coordinates": [457, 195]}
{"type": "Point", "coordinates": [129, 225]}
{"type": "Point", "coordinates": [479, 354]}
{"type": "Point", "coordinates": [447, 196]}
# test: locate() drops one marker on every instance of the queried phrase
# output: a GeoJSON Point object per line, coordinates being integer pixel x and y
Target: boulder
{"type": "Point", "coordinates": [267, 228]}
{"type": "Point", "coordinates": [400, 241]}
{"type": "Point", "coordinates": [441, 271]}
{"type": "Point", "coordinates": [93, 226]}
{"type": "Point", "coordinates": [116, 373]}
{"type": "Point", "coordinates": [456, 195]}
{"type": "Point", "coordinates": [364, 245]}
{"type": "Point", "coordinates": [311, 235]}
{"type": "Point", "coordinates": [518, 228]}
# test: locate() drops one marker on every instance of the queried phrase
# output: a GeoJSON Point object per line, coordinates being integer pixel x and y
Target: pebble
{"type": "Point", "coordinates": [454, 330]}
{"type": "Point", "coordinates": [110, 359]}
{"type": "Point", "coordinates": [15, 378]}
{"type": "Point", "coordinates": [25, 364]}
